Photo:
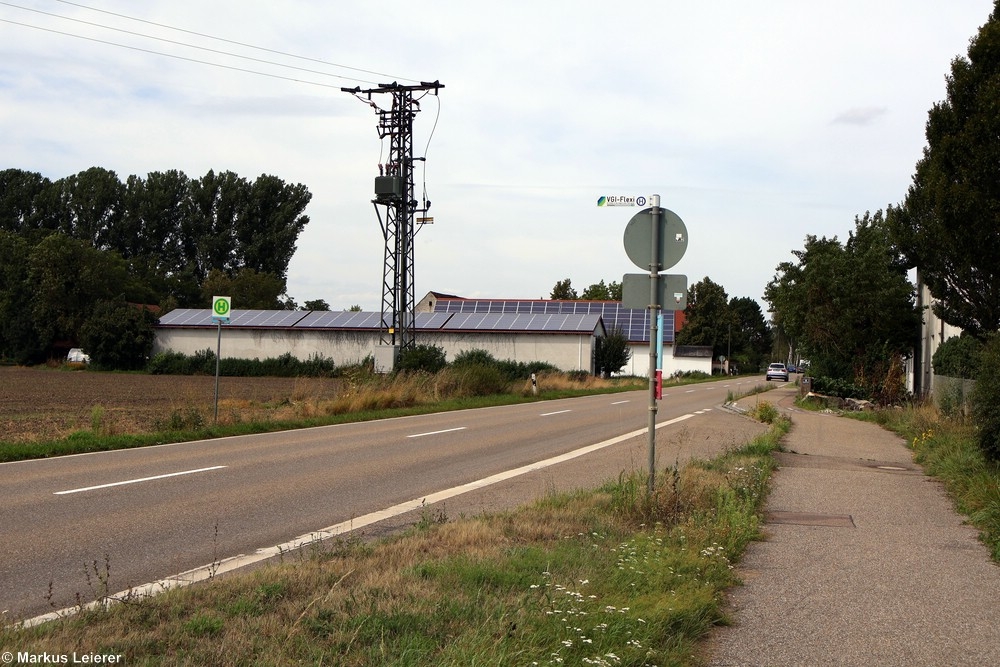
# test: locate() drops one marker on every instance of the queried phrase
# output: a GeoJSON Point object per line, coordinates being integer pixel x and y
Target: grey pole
{"type": "Point", "coordinates": [218, 353]}
{"type": "Point", "coordinates": [654, 312]}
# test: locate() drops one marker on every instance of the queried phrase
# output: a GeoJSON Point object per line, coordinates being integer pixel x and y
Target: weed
{"type": "Point", "coordinates": [96, 418]}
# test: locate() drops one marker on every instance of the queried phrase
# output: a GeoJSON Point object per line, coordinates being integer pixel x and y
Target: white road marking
{"type": "Point", "coordinates": [557, 412]}
{"type": "Point", "coordinates": [620, 402]}
{"type": "Point", "coordinates": [136, 481]}
{"type": "Point", "coordinates": [447, 430]}
{"type": "Point", "coordinates": [212, 570]}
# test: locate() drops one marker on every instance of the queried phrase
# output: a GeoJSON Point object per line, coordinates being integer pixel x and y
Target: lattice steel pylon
{"type": "Point", "coordinates": [394, 191]}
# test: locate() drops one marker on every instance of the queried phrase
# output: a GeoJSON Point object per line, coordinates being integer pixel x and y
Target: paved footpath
{"type": "Point", "coordinates": [865, 562]}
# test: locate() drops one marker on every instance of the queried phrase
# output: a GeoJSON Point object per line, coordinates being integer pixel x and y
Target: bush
{"type": "Point", "coordinates": [474, 358]}
{"type": "Point", "coordinates": [958, 357]}
{"type": "Point", "coordinates": [986, 399]}
{"type": "Point", "coordinates": [837, 387]}
{"type": "Point", "coordinates": [428, 358]}
{"type": "Point", "coordinates": [203, 363]}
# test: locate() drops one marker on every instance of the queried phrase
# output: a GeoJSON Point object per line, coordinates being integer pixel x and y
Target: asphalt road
{"type": "Point", "coordinates": [71, 524]}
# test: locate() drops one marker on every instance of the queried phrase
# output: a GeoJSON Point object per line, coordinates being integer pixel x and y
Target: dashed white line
{"type": "Point", "coordinates": [620, 402]}
{"type": "Point", "coordinates": [447, 430]}
{"type": "Point", "coordinates": [557, 412]}
{"type": "Point", "coordinates": [136, 481]}
{"type": "Point", "coordinates": [208, 572]}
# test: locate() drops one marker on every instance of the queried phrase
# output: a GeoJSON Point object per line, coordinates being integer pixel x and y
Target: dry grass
{"type": "Point", "coordinates": [574, 579]}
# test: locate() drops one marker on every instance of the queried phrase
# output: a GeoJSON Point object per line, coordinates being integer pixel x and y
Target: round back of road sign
{"type": "Point", "coordinates": [639, 235]}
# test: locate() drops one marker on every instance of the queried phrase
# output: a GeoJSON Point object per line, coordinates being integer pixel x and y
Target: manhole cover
{"type": "Point", "coordinates": [811, 519]}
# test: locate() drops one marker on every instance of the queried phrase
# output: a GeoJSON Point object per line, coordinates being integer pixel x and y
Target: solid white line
{"type": "Point", "coordinates": [557, 412]}
{"type": "Point", "coordinates": [136, 481]}
{"type": "Point", "coordinates": [207, 572]}
{"type": "Point", "coordinates": [447, 430]}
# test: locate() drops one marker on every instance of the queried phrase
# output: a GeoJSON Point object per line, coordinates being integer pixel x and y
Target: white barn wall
{"type": "Point", "coordinates": [567, 352]}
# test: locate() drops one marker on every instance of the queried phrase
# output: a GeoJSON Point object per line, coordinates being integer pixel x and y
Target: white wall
{"type": "Point", "coordinates": [568, 352]}
{"type": "Point", "coordinates": [933, 332]}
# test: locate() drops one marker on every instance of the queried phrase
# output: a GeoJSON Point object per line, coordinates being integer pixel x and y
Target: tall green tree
{"type": "Point", "coordinates": [563, 290]}
{"type": "Point", "coordinates": [949, 225]}
{"type": "Point", "coordinates": [850, 306]}
{"type": "Point", "coordinates": [750, 338]}
{"type": "Point", "coordinates": [66, 278]}
{"type": "Point", "coordinates": [612, 352]}
{"type": "Point", "coordinates": [19, 339]}
{"type": "Point", "coordinates": [706, 319]}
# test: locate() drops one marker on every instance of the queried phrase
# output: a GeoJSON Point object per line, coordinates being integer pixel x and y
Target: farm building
{"type": "Point", "coordinates": [565, 341]}
{"type": "Point", "coordinates": [633, 322]}
{"type": "Point", "coordinates": [561, 333]}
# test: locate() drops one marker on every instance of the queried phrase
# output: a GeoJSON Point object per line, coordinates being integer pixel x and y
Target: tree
{"type": "Point", "coordinates": [19, 339]}
{"type": "Point", "coordinates": [316, 304]}
{"type": "Point", "coordinates": [249, 289]}
{"type": "Point", "coordinates": [851, 307]}
{"type": "Point", "coordinates": [949, 225]}
{"type": "Point", "coordinates": [118, 335]}
{"type": "Point", "coordinates": [750, 338]}
{"type": "Point", "coordinates": [612, 353]}
{"type": "Point", "coordinates": [707, 320]}
{"type": "Point", "coordinates": [66, 278]}
{"type": "Point", "coordinates": [563, 290]}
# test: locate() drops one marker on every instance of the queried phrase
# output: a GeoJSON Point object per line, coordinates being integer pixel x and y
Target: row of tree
{"type": "Point", "coordinates": [68, 246]}
{"type": "Point", "coordinates": [849, 308]}
{"type": "Point", "coordinates": [734, 328]}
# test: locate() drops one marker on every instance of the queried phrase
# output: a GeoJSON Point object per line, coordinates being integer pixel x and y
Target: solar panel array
{"type": "Point", "coordinates": [633, 321]}
{"type": "Point", "coordinates": [351, 320]}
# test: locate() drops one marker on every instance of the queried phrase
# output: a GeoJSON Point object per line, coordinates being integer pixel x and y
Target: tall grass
{"type": "Point", "coordinates": [610, 576]}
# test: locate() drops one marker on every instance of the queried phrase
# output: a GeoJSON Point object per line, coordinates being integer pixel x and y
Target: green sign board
{"type": "Point", "coordinates": [220, 308]}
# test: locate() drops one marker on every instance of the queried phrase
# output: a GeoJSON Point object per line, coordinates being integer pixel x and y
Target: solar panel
{"type": "Point", "coordinates": [431, 321]}
{"type": "Point", "coordinates": [634, 322]}
{"type": "Point", "coordinates": [346, 319]}
{"type": "Point", "coordinates": [547, 322]}
{"type": "Point", "coordinates": [266, 318]}
{"type": "Point", "coordinates": [184, 317]}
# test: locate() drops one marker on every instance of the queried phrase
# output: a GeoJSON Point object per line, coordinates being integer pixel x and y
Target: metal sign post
{"type": "Point", "coordinates": [220, 313]}
{"type": "Point", "coordinates": [655, 238]}
{"type": "Point", "coordinates": [654, 316]}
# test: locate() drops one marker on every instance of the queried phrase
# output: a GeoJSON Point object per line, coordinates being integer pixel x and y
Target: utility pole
{"type": "Point", "coordinates": [394, 193]}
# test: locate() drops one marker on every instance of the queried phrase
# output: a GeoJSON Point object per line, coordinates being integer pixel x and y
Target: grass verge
{"type": "Point", "coordinates": [611, 576]}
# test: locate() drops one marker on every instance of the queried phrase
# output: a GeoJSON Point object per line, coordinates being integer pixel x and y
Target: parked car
{"type": "Point", "coordinates": [777, 371]}
{"type": "Point", "coordinates": [77, 356]}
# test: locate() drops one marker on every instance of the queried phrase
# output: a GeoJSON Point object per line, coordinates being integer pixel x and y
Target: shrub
{"type": "Point", "coordinates": [429, 358]}
{"type": "Point", "coordinates": [203, 363]}
{"type": "Point", "coordinates": [986, 399]}
{"type": "Point", "coordinates": [837, 387]}
{"type": "Point", "coordinates": [474, 358]}
{"type": "Point", "coordinates": [958, 357]}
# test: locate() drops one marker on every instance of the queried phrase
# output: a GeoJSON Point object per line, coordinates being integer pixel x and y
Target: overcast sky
{"type": "Point", "coordinates": [756, 122]}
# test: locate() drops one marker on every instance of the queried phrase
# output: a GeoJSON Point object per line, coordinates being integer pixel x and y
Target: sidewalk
{"type": "Point", "coordinates": [865, 560]}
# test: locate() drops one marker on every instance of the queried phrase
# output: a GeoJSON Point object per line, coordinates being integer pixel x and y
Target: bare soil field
{"type": "Point", "coordinates": [47, 403]}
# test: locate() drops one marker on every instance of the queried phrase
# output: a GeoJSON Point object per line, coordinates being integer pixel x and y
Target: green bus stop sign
{"type": "Point", "coordinates": [220, 308]}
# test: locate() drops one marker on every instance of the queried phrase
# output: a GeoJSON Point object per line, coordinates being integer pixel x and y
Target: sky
{"type": "Point", "coordinates": [756, 122]}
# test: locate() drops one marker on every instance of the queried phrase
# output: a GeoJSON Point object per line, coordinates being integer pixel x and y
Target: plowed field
{"type": "Point", "coordinates": [45, 403]}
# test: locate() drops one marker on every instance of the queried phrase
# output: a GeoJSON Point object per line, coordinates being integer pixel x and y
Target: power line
{"type": "Point", "coordinates": [229, 41]}
{"type": "Point", "coordinates": [171, 55]}
{"type": "Point", "coordinates": [191, 46]}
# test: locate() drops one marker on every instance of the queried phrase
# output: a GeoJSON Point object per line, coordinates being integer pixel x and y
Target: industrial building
{"type": "Point", "coordinates": [561, 333]}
